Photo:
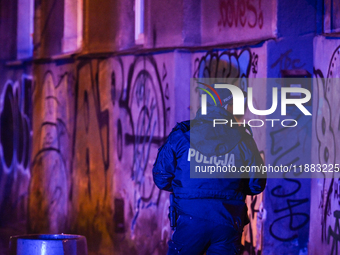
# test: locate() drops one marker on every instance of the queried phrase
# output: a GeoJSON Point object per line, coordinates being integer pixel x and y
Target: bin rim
{"type": "Point", "coordinates": [48, 237]}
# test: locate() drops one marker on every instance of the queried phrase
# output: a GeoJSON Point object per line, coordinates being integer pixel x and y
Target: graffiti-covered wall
{"type": "Point", "coordinates": [98, 124]}
{"type": "Point", "coordinates": [15, 151]}
{"type": "Point", "coordinates": [235, 21]}
{"type": "Point", "coordinates": [287, 198]}
{"type": "Point", "coordinates": [142, 94]}
{"type": "Point", "coordinates": [325, 189]}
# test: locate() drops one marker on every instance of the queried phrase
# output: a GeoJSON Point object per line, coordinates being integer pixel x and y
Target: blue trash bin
{"type": "Point", "coordinates": [45, 244]}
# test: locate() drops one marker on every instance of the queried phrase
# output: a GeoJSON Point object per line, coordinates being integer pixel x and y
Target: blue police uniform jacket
{"type": "Point", "coordinates": [221, 200]}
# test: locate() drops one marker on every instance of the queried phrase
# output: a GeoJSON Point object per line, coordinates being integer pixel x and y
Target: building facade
{"type": "Point", "coordinates": [90, 90]}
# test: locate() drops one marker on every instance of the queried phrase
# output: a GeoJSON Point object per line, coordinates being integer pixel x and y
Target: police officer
{"type": "Point", "coordinates": [211, 212]}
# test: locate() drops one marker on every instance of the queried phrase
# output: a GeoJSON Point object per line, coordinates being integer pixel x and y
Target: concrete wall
{"type": "Point", "coordinates": [99, 124]}
{"type": "Point", "coordinates": [15, 151]}
{"type": "Point", "coordinates": [15, 128]}
{"type": "Point", "coordinates": [15, 145]}
{"type": "Point", "coordinates": [324, 229]}
{"type": "Point", "coordinates": [287, 200]}
{"type": "Point", "coordinates": [143, 108]}
{"type": "Point", "coordinates": [237, 21]}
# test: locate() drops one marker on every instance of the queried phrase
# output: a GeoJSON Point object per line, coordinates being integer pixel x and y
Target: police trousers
{"type": "Point", "coordinates": [195, 236]}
